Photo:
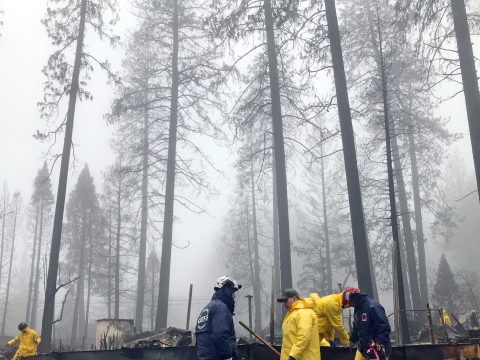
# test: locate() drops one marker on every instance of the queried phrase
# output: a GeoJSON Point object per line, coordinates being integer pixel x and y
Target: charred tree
{"type": "Point", "coordinates": [276, 243]}
{"type": "Point", "coordinates": [32, 266]}
{"type": "Point", "coordinates": [407, 228]}
{"type": "Point", "coordinates": [117, 248]}
{"type": "Point", "coordinates": [405, 335]}
{"type": "Point", "coordinates": [51, 286]}
{"type": "Point", "coordinates": [279, 150]}
{"type": "Point", "coordinates": [469, 78]}
{"type": "Point", "coordinates": [89, 283]}
{"type": "Point", "coordinates": [422, 266]}
{"type": "Point", "coordinates": [144, 218]}
{"type": "Point", "coordinates": [110, 292]}
{"type": "Point", "coordinates": [363, 263]}
{"type": "Point", "coordinates": [256, 260]}
{"type": "Point", "coordinates": [16, 197]}
{"type": "Point", "coordinates": [164, 283]}
{"type": "Point", "coordinates": [36, 288]}
{"type": "Point", "coordinates": [325, 223]}
{"type": "Point", "coordinates": [78, 318]}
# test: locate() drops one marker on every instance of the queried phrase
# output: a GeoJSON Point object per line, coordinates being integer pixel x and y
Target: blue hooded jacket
{"type": "Point", "coordinates": [369, 323]}
{"type": "Point", "coordinates": [215, 333]}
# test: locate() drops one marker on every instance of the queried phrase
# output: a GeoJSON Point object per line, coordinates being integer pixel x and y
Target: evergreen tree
{"type": "Point", "coordinates": [85, 248]}
{"type": "Point", "coordinates": [42, 201]}
{"type": "Point", "coordinates": [16, 208]}
{"type": "Point", "coordinates": [445, 290]}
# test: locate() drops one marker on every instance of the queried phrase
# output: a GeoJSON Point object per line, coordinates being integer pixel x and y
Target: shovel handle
{"type": "Point", "coordinates": [259, 338]}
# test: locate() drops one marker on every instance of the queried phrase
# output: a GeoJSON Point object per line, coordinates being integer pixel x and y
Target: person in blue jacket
{"type": "Point", "coordinates": [371, 330]}
{"type": "Point", "coordinates": [215, 333]}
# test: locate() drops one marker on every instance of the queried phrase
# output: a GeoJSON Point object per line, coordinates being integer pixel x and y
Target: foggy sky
{"type": "Point", "coordinates": [24, 49]}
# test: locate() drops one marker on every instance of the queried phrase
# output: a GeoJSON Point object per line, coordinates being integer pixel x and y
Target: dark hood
{"type": "Point", "coordinates": [358, 298]}
{"type": "Point", "coordinates": [224, 294]}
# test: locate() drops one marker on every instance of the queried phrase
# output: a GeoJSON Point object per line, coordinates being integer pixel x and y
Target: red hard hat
{"type": "Point", "coordinates": [346, 302]}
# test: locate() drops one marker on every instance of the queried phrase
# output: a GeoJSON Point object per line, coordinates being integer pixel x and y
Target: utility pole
{"type": "Point", "coordinates": [360, 243]}
{"type": "Point", "coordinates": [189, 307]}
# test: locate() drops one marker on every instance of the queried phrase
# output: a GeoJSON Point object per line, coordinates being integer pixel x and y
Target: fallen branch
{"type": "Point", "coordinates": [63, 305]}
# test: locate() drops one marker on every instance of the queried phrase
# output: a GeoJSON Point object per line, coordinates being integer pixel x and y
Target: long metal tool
{"type": "Point", "coordinates": [259, 338]}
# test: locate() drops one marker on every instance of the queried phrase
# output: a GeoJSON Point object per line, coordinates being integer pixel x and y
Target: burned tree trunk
{"type": "Point", "coordinates": [407, 228]}
{"type": "Point", "coordinates": [249, 248]}
{"type": "Point", "coordinates": [279, 149]}
{"type": "Point", "coordinates": [405, 338]}
{"type": "Point", "coordinates": [109, 291]}
{"type": "Point", "coordinates": [5, 306]}
{"type": "Point", "coordinates": [33, 321]}
{"type": "Point", "coordinates": [325, 222]}
{"type": "Point", "coordinates": [360, 242]}
{"type": "Point", "coordinates": [79, 294]}
{"type": "Point", "coordinates": [256, 282]}
{"type": "Point", "coordinates": [50, 291]}
{"type": "Point", "coordinates": [117, 254]}
{"type": "Point", "coordinates": [422, 267]}
{"type": "Point", "coordinates": [32, 267]}
{"type": "Point", "coordinates": [89, 283]}
{"type": "Point", "coordinates": [164, 283]}
{"type": "Point", "coordinates": [469, 78]}
{"type": "Point", "coordinates": [276, 245]}
{"type": "Point", "coordinates": [144, 221]}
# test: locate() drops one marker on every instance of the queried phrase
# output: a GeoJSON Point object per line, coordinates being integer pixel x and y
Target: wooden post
{"type": "Point", "coordinates": [249, 315]}
{"type": "Point", "coordinates": [189, 306]}
{"type": "Point", "coordinates": [430, 324]}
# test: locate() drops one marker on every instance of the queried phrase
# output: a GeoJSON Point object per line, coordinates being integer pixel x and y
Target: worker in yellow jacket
{"type": "Point", "coordinates": [445, 317]}
{"type": "Point", "coordinates": [300, 336]}
{"type": "Point", "coordinates": [28, 339]}
{"type": "Point", "coordinates": [329, 313]}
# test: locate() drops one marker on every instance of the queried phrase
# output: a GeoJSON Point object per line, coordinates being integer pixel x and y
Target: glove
{"type": "Point", "coordinates": [381, 350]}
{"type": "Point", "coordinates": [376, 349]}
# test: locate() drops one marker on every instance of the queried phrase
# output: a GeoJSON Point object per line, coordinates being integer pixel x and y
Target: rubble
{"type": "Point", "coordinates": [170, 337]}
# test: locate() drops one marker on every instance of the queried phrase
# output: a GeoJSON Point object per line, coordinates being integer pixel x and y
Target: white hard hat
{"type": "Point", "coordinates": [226, 280]}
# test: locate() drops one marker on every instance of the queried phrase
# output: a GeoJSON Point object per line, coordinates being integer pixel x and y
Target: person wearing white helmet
{"type": "Point", "coordinates": [215, 333]}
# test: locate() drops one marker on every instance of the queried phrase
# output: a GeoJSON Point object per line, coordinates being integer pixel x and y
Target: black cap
{"type": "Point", "coordinates": [286, 294]}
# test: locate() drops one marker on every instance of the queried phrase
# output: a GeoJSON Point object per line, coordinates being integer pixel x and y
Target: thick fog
{"type": "Point", "coordinates": [207, 227]}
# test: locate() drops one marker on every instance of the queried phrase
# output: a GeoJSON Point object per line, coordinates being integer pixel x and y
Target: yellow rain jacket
{"type": "Point", "coordinates": [28, 340]}
{"type": "Point", "coordinates": [446, 317]}
{"type": "Point", "coordinates": [329, 313]}
{"type": "Point", "coordinates": [300, 336]}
